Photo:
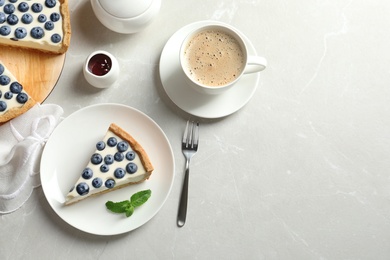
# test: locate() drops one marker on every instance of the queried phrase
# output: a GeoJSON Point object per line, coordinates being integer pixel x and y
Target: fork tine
{"type": "Point", "coordinates": [195, 134]}
{"type": "Point", "coordinates": [190, 133]}
{"type": "Point", "coordinates": [185, 135]}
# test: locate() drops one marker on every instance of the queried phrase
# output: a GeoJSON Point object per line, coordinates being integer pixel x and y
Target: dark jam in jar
{"type": "Point", "coordinates": [99, 64]}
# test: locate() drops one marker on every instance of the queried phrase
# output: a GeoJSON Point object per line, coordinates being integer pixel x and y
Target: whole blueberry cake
{"type": "Point", "coordinates": [14, 100]}
{"type": "Point", "coordinates": [118, 161]}
{"type": "Point", "coordinates": [42, 25]}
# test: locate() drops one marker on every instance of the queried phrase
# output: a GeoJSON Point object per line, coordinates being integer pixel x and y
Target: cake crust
{"type": "Point", "coordinates": [17, 111]}
{"type": "Point", "coordinates": [14, 111]}
{"type": "Point", "coordinates": [66, 27]}
{"type": "Point", "coordinates": [134, 144]}
{"type": "Point", "coordinates": [70, 202]}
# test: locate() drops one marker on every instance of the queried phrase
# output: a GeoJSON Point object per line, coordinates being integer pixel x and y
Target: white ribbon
{"type": "Point", "coordinates": [19, 169]}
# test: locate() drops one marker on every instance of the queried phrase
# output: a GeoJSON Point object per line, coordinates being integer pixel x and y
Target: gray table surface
{"type": "Point", "coordinates": [300, 172]}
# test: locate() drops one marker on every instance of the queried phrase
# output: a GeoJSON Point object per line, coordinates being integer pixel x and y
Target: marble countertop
{"type": "Point", "coordinates": [300, 172]}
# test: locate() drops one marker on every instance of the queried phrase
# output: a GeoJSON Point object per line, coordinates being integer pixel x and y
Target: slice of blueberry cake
{"type": "Point", "coordinates": [14, 100]}
{"type": "Point", "coordinates": [42, 25]}
{"type": "Point", "coordinates": [119, 161]}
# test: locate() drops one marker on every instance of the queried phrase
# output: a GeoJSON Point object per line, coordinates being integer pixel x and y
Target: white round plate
{"type": "Point", "coordinates": [188, 99]}
{"type": "Point", "coordinates": [68, 150]}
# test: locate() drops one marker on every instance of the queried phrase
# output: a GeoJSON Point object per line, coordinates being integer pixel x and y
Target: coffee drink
{"type": "Point", "coordinates": [213, 57]}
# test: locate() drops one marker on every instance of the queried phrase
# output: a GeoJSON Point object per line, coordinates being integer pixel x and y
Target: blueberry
{"type": "Point", "coordinates": [55, 17]}
{"type": "Point", "coordinates": [8, 95]}
{"type": "Point", "coordinates": [13, 1]}
{"type": "Point", "coordinates": [23, 7]}
{"type": "Point", "coordinates": [9, 9]}
{"type": "Point", "coordinates": [2, 2]}
{"type": "Point", "coordinates": [12, 19]}
{"type": "Point", "coordinates": [112, 141]}
{"type": "Point", "coordinates": [82, 188]}
{"type": "Point", "coordinates": [50, 3]}
{"type": "Point", "coordinates": [110, 183]}
{"type": "Point", "coordinates": [27, 18]}
{"type": "Point", "coordinates": [122, 146]}
{"type": "Point", "coordinates": [1, 93]}
{"type": "Point", "coordinates": [15, 87]}
{"type": "Point", "coordinates": [36, 7]}
{"type": "Point", "coordinates": [49, 25]}
{"type": "Point", "coordinates": [100, 145]}
{"type": "Point", "coordinates": [3, 106]}
{"type": "Point", "coordinates": [4, 80]}
{"type": "Point", "coordinates": [130, 155]}
{"type": "Point", "coordinates": [37, 33]}
{"type": "Point", "coordinates": [119, 173]}
{"type": "Point", "coordinates": [1, 69]}
{"type": "Point", "coordinates": [42, 18]}
{"type": "Point", "coordinates": [131, 167]}
{"type": "Point", "coordinates": [104, 168]}
{"type": "Point", "coordinates": [119, 156]}
{"type": "Point", "coordinates": [56, 38]}
{"type": "Point", "coordinates": [5, 30]}
{"type": "Point", "coordinates": [109, 159]}
{"type": "Point", "coordinates": [97, 182]}
{"type": "Point", "coordinates": [22, 98]}
{"type": "Point", "coordinates": [20, 33]}
{"type": "Point", "coordinates": [96, 159]}
{"type": "Point", "coordinates": [3, 18]}
{"type": "Point", "coordinates": [87, 173]}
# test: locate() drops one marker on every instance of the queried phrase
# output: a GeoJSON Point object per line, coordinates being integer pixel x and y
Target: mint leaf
{"type": "Point", "coordinates": [118, 207]}
{"type": "Point", "coordinates": [128, 206]}
{"type": "Point", "coordinates": [140, 197]}
{"type": "Point", "coordinates": [129, 211]}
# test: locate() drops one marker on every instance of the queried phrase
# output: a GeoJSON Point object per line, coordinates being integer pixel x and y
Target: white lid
{"type": "Point", "coordinates": [125, 8]}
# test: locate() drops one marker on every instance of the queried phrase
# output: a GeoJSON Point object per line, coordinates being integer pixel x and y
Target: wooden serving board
{"type": "Point", "coordinates": [37, 72]}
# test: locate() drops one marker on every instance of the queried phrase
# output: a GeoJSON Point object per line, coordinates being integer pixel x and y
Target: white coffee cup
{"type": "Point", "coordinates": [215, 57]}
{"type": "Point", "coordinates": [101, 69]}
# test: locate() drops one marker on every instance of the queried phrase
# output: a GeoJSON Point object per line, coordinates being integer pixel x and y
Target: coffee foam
{"type": "Point", "coordinates": [214, 58]}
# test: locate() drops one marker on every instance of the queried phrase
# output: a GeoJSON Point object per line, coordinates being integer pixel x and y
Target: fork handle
{"type": "Point", "coordinates": [182, 214]}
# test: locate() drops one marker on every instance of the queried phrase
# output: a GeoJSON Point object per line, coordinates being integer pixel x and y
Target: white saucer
{"type": "Point", "coordinates": [189, 100]}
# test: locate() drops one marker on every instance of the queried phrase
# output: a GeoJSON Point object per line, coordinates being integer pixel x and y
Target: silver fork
{"type": "Point", "coordinates": [189, 147]}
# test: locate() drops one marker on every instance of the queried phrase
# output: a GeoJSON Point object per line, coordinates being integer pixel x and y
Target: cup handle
{"type": "Point", "coordinates": [255, 64]}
